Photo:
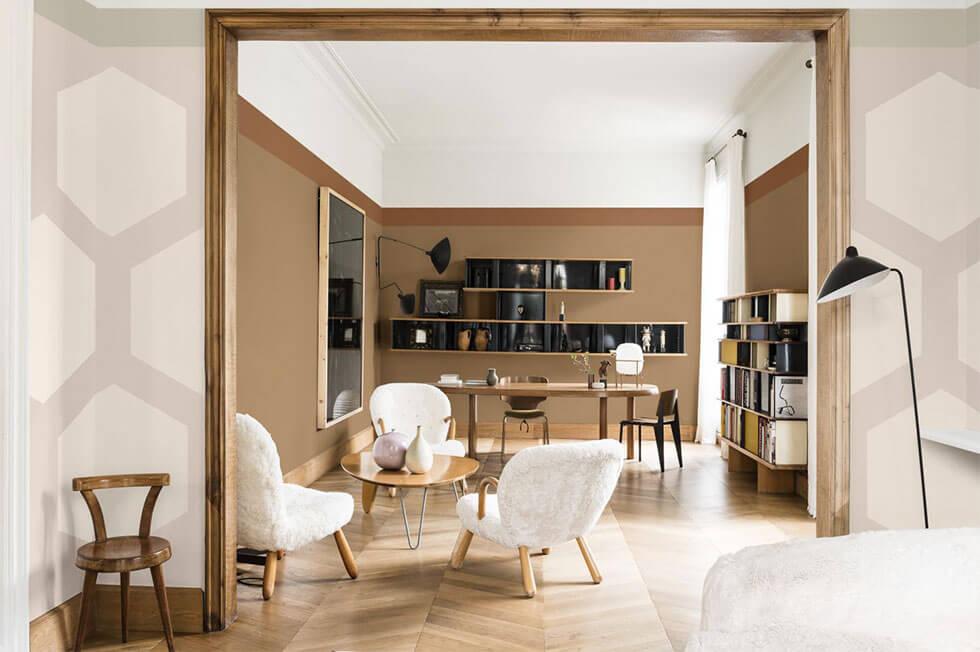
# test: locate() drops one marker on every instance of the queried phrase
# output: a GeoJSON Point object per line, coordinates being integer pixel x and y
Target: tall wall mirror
{"type": "Point", "coordinates": [341, 305]}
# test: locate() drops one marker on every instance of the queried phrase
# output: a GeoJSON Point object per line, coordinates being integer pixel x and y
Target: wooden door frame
{"type": "Point", "coordinates": [223, 30]}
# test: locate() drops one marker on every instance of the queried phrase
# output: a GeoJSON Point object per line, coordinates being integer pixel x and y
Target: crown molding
{"type": "Point", "coordinates": [326, 63]}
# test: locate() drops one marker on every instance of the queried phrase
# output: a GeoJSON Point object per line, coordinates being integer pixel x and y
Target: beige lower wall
{"type": "Point", "coordinates": [666, 280]}
{"type": "Point", "coordinates": [277, 291]}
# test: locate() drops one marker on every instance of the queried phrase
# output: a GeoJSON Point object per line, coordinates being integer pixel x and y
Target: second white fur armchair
{"type": "Point", "coordinates": [546, 495]}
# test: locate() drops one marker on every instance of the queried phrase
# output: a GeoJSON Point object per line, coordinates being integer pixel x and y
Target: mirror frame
{"type": "Point", "coordinates": [323, 296]}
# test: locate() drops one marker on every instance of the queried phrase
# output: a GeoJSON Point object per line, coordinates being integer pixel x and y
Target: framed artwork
{"type": "Point", "coordinates": [441, 299]}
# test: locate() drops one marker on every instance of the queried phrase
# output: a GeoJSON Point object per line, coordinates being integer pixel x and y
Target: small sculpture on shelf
{"type": "Point", "coordinates": [646, 337]}
{"type": "Point", "coordinates": [603, 373]}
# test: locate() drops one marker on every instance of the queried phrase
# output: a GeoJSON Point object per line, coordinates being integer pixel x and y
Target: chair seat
{"type": "Point", "coordinates": [452, 447]}
{"type": "Point", "coordinates": [524, 414]}
{"type": "Point", "coordinates": [123, 554]}
{"type": "Point", "coordinates": [647, 421]}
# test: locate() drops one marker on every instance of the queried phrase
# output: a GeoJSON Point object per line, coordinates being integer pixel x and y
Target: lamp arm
{"type": "Point", "coordinates": [397, 287]}
{"type": "Point", "coordinates": [377, 258]}
{"type": "Point", "coordinates": [915, 399]}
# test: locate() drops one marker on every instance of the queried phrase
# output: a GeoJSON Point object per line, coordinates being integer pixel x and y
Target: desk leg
{"type": "Point", "coordinates": [471, 429]}
{"type": "Point", "coordinates": [603, 417]}
{"type": "Point", "coordinates": [630, 414]}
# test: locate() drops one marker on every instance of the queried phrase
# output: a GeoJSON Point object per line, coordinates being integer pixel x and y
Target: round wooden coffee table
{"type": "Point", "coordinates": [446, 469]}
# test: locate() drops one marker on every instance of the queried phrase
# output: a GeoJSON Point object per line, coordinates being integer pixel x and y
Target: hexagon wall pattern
{"type": "Point", "coordinates": [62, 308]}
{"type": "Point", "coordinates": [915, 206]}
{"type": "Point", "coordinates": [116, 174]}
{"type": "Point", "coordinates": [122, 152]}
{"type": "Point", "coordinates": [920, 147]}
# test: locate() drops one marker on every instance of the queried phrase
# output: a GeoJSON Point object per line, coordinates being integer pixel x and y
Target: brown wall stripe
{"type": "Point", "coordinates": [543, 216]}
{"type": "Point", "coordinates": [257, 127]}
{"type": "Point", "coordinates": [783, 172]}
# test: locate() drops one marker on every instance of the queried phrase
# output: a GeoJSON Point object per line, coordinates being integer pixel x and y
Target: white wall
{"type": "Point", "coordinates": [774, 109]}
{"type": "Point", "coordinates": [297, 87]}
{"type": "Point", "coordinates": [419, 178]}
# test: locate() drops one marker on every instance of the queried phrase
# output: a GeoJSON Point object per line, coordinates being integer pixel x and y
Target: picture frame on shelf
{"type": "Point", "coordinates": [441, 298]}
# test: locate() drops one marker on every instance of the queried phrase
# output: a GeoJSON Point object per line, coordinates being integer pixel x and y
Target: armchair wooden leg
{"type": "Point", "coordinates": [462, 547]}
{"type": "Point", "coordinates": [88, 604]}
{"type": "Point", "coordinates": [161, 589]}
{"type": "Point", "coordinates": [124, 605]}
{"type": "Point", "coordinates": [527, 573]}
{"type": "Point", "coordinates": [368, 492]}
{"type": "Point", "coordinates": [269, 576]}
{"type": "Point", "coordinates": [589, 561]}
{"type": "Point", "coordinates": [345, 553]}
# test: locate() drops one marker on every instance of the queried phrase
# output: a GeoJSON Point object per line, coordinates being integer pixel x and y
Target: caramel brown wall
{"type": "Point", "coordinates": [665, 245]}
{"type": "Point", "coordinates": [776, 226]}
{"type": "Point", "coordinates": [278, 182]}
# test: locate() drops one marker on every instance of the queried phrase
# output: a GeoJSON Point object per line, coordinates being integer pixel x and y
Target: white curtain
{"type": "Point", "coordinates": [735, 190]}
{"type": "Point", "coordinates": [722, 272]}
{"type": "Point", "coordinates": [811, 426]}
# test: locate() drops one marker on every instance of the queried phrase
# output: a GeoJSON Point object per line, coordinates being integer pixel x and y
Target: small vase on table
{"type": "Point", "coordinates": [418, 458]}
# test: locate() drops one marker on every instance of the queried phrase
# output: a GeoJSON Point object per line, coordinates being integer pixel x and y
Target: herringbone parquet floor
{"type": "Point", "coordinates": [653, 545]}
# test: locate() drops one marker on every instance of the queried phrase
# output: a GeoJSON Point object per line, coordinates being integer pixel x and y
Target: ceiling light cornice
{"type": "Point", "coordinates": [324, 61]}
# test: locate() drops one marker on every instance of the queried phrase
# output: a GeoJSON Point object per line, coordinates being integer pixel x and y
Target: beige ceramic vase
{"type": "Point", "coordinates": [463, 339]}
{"type": "Point", "coordinates": [419, 458]}
{"type": "Point", "coordinates": [482, 339]}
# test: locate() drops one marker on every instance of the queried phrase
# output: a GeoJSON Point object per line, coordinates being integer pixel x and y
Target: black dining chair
{"type": "Point", "coordinates": [522, 408]}
{"type": "Point", "coordinates": [667, 413]}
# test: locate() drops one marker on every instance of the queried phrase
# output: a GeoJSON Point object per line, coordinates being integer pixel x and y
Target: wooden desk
{"type": "Point", "coordinates": [553, 390]}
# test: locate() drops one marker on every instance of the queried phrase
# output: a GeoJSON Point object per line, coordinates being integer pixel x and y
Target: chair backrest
{"type": "Point", "coordinates": [89, 484]}
{"type": "Point", "coordinates": [553, 494]}
{"type": "Point", "coordinates": [668, 403]}
{"type": "Point", "coordinates": [522, 402]}
{"type": "Point", "coordinates": [405, 406]}
{"type": "Point", "coordinates": [261, 505]}
{"type": "Point", "coordinates": [629, 359]}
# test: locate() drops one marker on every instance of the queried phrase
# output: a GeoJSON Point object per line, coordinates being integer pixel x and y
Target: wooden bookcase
{"type": "Point", "coordinates": [763, 386]}
{"type": "Point", "coordinates": [525, 284]}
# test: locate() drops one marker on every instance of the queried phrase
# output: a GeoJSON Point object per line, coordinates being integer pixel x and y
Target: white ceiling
{"type": "Point", "coordinates": [549, 96]}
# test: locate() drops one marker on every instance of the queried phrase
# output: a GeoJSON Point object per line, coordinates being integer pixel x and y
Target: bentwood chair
{"type": "Point", "coordinates": [667, 414]}
{"type": "Point", "coordinates": [522, 408]}
{"type": "Point", "coordinates": [123, 554]}
{"type": "Point", "coordinates": [275, 517]}
{"type": "Point", "coordinates": [546, 495]}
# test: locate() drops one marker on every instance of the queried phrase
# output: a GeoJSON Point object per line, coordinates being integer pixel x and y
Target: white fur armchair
{"type": "Point", "coordinates": [874, 591]}
{"type": "Point", "coordinates": [546, 495]}
{"type": "Point", "coordinates": [275, 517]}
{"type": "Point", "coordinates": [405, 406]}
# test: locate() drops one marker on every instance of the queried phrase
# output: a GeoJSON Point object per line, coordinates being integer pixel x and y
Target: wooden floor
{"type": "Point", "coordinates": [653, 545]}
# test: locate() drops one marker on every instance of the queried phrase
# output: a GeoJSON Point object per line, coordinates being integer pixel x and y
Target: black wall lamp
{"type": "Point", "coordinates": [852, 274]}
{"type": "Point", "coordinates": [440, 255]}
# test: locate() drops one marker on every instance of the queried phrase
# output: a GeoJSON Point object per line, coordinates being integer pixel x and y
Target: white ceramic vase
{"type": "Point", "coordinates": [418, 459]}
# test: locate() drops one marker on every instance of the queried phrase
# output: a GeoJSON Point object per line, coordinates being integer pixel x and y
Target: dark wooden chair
{"type": "Point", "coordinates": [122, 554]}
{"type": "Point", "coordinates": [522, 408]}
{"type": "Point", "coordinates": [667, 413]}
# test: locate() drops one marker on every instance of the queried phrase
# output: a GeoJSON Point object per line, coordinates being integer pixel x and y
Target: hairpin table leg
{"type": "Point", "coordinates": [408, 536]}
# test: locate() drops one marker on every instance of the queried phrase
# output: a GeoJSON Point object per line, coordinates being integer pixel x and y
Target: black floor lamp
{"type": "Point", "coordinates": [852, 274]}
{"type": "Point", "coordinates": [440, 255]}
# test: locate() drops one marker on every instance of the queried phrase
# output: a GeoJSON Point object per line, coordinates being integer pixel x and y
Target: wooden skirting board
{"type": "Point", "coordinates": [313, 469]}
{"type": "Point", "coordinates": [54, 631]}
{"type": "Point", "coordinates": [562, 431]}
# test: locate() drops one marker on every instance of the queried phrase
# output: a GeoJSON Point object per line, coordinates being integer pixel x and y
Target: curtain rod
{"type": "Point", "coordinates": [740, 132]}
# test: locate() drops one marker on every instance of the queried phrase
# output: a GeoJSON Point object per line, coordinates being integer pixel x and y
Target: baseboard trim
{"type": "Point", "coordinates": [563, 431]}
{"type": "Point", "coordinates": [314, 468]}
{"type": "Point", "coordinates": [54, 630]}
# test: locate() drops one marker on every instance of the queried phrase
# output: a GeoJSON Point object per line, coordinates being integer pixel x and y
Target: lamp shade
{"type": "Point", "coordinates": [407, 302]}
{"type": "Point", "coordinates": [853, 273]}
{"type": "Point", "coordinates": [440, 255]}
